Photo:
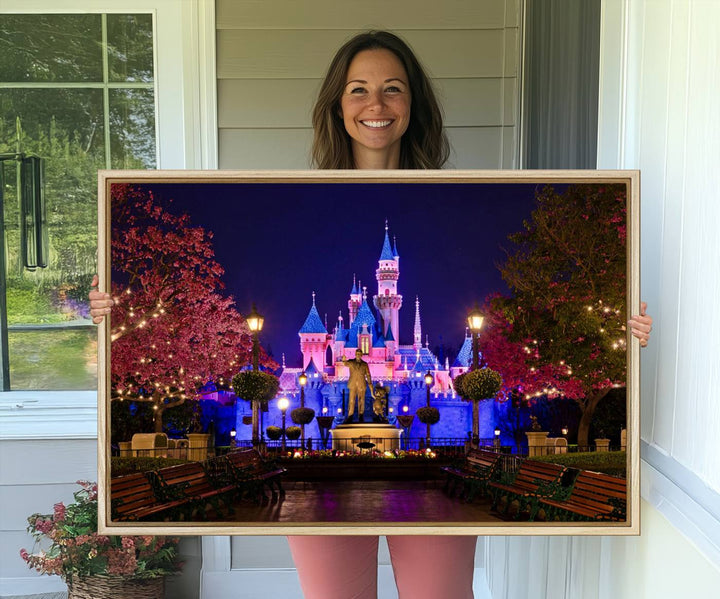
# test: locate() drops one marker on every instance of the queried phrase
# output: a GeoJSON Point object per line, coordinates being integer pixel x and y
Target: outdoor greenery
{"type": "Point", "coordinates": [273, 432]}
{"type": "Point", "coordinates": [302, 415]}
{"type": "Point", "coordinates": [607, 462]}
{"type": "Point", "coordinates": [428, 415]}
{"type": "Point", "coordinates": [64, 124]}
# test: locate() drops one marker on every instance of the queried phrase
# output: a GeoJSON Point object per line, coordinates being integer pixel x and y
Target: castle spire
{"type": "Point", "coordinates": [417, 331]}
{"type": "Point", "coordinates": [387, 253]}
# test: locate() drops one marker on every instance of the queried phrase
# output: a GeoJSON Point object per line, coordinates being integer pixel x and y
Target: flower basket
{"type": "Point", "coordinates": [116, 587]}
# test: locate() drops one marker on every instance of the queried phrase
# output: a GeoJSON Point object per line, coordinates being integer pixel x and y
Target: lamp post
{"type": "Point", "coordinates": [255, 324]}
{"type": "Point", "coordinates": [283, 404]}
{"type": "Point", "coordinates": [496, 440]}
{"type": "Point", "coordinates": [233, 434]}
{"type": "Point", "coordinates": [428, 383]}
{"type": "Point", "coordinates": [302, 379]}
{"type": "Point", "coordinates": [475, 321]}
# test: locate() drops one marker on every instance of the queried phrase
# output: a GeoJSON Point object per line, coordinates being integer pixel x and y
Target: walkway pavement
{"type": "Point", "coordinates": [366, 501]}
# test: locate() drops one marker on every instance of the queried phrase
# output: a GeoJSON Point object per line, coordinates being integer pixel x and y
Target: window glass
{"type": "Point", "coordinates": [36, 48]}
{"type": "Point", "coordinates": [58, 101]}
{"type": "Point", "coordinates": [130, 47]}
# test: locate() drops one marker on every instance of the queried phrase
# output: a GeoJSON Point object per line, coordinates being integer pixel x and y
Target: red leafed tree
{"type": "Point", "coordinates": [172, 329]}
{"type": "Point", "coordinates": [567, 274]}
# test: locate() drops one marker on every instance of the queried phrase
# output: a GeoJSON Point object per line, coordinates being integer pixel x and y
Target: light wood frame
{"type": "Point", "coordinates": [628, 177]}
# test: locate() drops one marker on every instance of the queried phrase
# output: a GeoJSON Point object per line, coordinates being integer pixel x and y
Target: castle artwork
{"type": "Point", "coordinates": [318, 353]}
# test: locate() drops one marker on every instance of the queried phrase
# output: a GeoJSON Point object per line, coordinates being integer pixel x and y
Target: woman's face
{"type": "Point", "coordinates": [375, 105]}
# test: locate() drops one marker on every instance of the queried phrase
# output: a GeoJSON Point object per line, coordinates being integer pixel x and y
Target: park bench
{"type": "Point", "coordinates": [532, 481]}
{"type": "Point", "coordinates": [132, 498]}
{"type": "Point", "coordinates": [472, 474]}
{"type": "Point", "coordinates": [190, 482]}
{"type": "Point", "coordinates": [250, 472]}
{"type": "Point", "coordinates": [594, 496]}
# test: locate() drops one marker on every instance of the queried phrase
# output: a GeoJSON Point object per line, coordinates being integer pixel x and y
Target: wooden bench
{"type": "Point", "coordinates": [594, 496]}
{"type": "Point", "coordinates": [250, 472]}
{"type": "Point", "coordinates": [132, 498]}
{"type": "Point", "coordinates": [472, 475]}
{"type": "Point", "coordinates": [532, 481]}
{"type": "Point", "coordinates": [190, 482]}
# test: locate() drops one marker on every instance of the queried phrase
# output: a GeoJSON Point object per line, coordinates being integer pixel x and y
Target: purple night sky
{"type": "Point", "coordinates": [279, 242]}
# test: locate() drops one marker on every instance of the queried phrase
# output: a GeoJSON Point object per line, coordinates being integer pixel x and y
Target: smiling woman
{"type": "Point", "coordinates": [364, 104]}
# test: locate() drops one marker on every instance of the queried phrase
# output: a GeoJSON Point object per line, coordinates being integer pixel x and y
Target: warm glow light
{"type": "Point", "coordinates": [302, 379]}
{"type": "Point", "coordinates": [325, 410]}
{"type": "Point", "coordinates": [405, 409]}
{"type": "Point", "coordinates": [255, 321]}
{"type": "Point", "coordinates": [283, 403]}
{"type": "Point", "coordinates": [475, 319]}
{"type": "Point", "coordinates": [428, 378]}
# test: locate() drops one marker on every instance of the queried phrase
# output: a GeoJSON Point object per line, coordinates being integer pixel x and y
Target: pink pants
{"type": "Point", "coordinates": [425, 567]}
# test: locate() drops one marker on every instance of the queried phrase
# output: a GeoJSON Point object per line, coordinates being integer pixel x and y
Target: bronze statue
{"type": "Point", "coordinates": [380, 394]}
{"type": "Point", "coordinates": [359, 377]}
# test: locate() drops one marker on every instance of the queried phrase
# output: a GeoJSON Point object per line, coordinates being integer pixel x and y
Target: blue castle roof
{"type": "Point", "coordinates": [313, 324]}
{"type": "Point", "coordinates": [387, 253]}
{"type": "Point", "coordinates": [464, 357]}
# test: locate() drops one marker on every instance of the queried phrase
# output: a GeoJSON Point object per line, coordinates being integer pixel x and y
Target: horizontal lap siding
{"type": "Point", "coordinates": [271, 58]}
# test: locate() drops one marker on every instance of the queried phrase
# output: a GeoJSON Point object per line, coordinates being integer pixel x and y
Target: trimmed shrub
{"type": "Point", "coordinates": [273, 432]}
{"type": "Point", "coordinates": [292, 432]}
{"type": "Point", "coordinates": [302, 415]}
{"type": "Point", "coordinates": [481, 384]}
{"type": "Point", "coordinates": [255, 385]}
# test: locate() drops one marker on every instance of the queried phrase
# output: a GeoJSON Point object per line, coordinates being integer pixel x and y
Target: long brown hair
{"type": "Point", "coordinates": [424, 144]}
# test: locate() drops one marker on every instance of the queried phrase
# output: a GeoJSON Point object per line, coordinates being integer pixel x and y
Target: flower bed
{"type": "Point", "coordinates": [369, 465]}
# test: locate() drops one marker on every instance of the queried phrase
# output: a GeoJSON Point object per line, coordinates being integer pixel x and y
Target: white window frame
{"type": "Point", "coordinates": [186, 136]}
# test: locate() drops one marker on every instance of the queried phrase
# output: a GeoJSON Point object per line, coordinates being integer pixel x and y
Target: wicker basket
{"type": "Point", "coordinates": [116, 587]}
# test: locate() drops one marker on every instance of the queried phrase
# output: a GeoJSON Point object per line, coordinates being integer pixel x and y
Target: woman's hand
{"type": "Point", "coordinates": [100, 303]}
{"type": "Point", "coordinates": [641, 325]}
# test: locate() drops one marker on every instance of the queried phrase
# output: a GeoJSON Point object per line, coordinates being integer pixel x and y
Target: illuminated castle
{"type": "Point", "coordinates": [375, 331]}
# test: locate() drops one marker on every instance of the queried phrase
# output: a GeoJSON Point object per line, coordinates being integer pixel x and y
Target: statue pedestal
{"type": "Point", "coordinates": [346, 437]}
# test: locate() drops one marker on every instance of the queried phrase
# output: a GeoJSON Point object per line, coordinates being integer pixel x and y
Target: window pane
{"type": "Point", "coordinates": [50, 48]}
{"type": "Point", "coordinates": [132, 128]}
{"type": "Point", "coordinates": [130, 47]}
{"type": "Point", "coordinates": [54, 359]}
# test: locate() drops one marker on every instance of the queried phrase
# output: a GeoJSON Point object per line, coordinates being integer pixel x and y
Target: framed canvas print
{"type": "Point", "coordinates": [362, 352]}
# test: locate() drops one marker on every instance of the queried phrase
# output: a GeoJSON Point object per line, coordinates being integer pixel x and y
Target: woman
{"type": "Point", "coordinates": [377, 110]}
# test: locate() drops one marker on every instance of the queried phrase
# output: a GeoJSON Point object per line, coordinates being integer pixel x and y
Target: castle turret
{"type": "Point", "coordinates": [417, 329]}
{"type": "Point", "coordinates": [354, 302]}
{"type": "Point", "coordinates": [314, 338]}
{"type": "Point", "coordinates": [388, 301]}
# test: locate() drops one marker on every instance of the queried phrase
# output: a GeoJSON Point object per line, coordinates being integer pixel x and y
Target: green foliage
{"type": "Point", "coordinates": [293, 432]}
{"type": "Point", "coordinates": [607, 462]}
{"type": "Point", "coordinates": [458, 384]}
{"type": "Point", "coordinates": [428, 415]}
{"type": "Point", "coordinates": [122, 466]}
{"type": "Point", "coordinates": [255, 385]}
{"type": "Point", "coordinates": [77, 550]}
{"type": "Point", "coordinates": [480, 384]}
{"type": "Point", "coordinates": [302, 415]}
{"type": "Point", "coordinates": [273, 432]}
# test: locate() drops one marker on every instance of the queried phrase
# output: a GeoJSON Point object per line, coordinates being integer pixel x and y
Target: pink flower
{"type": "Point", "coordinates": [128, 543]}
{"type": "Point", "coordinates": [59, 512]}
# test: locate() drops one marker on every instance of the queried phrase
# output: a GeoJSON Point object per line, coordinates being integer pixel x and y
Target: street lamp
{"type": "Point", "coordinates": [283, 404]}
{"type": "Point", "coordinates": [496, 440]}
{"type": "Point", "coordinates": [475, 321]}
{"type": "Point", "coordinates": [428, 383]}
{"type": "Point", "coordinates": [302, 379]}
{"type": "Point", "coordinates": [255, 323]}
{"type": "Point", "coordinates": [564, 431]}
{"type": "Point", "coordinates": [233, 434]}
